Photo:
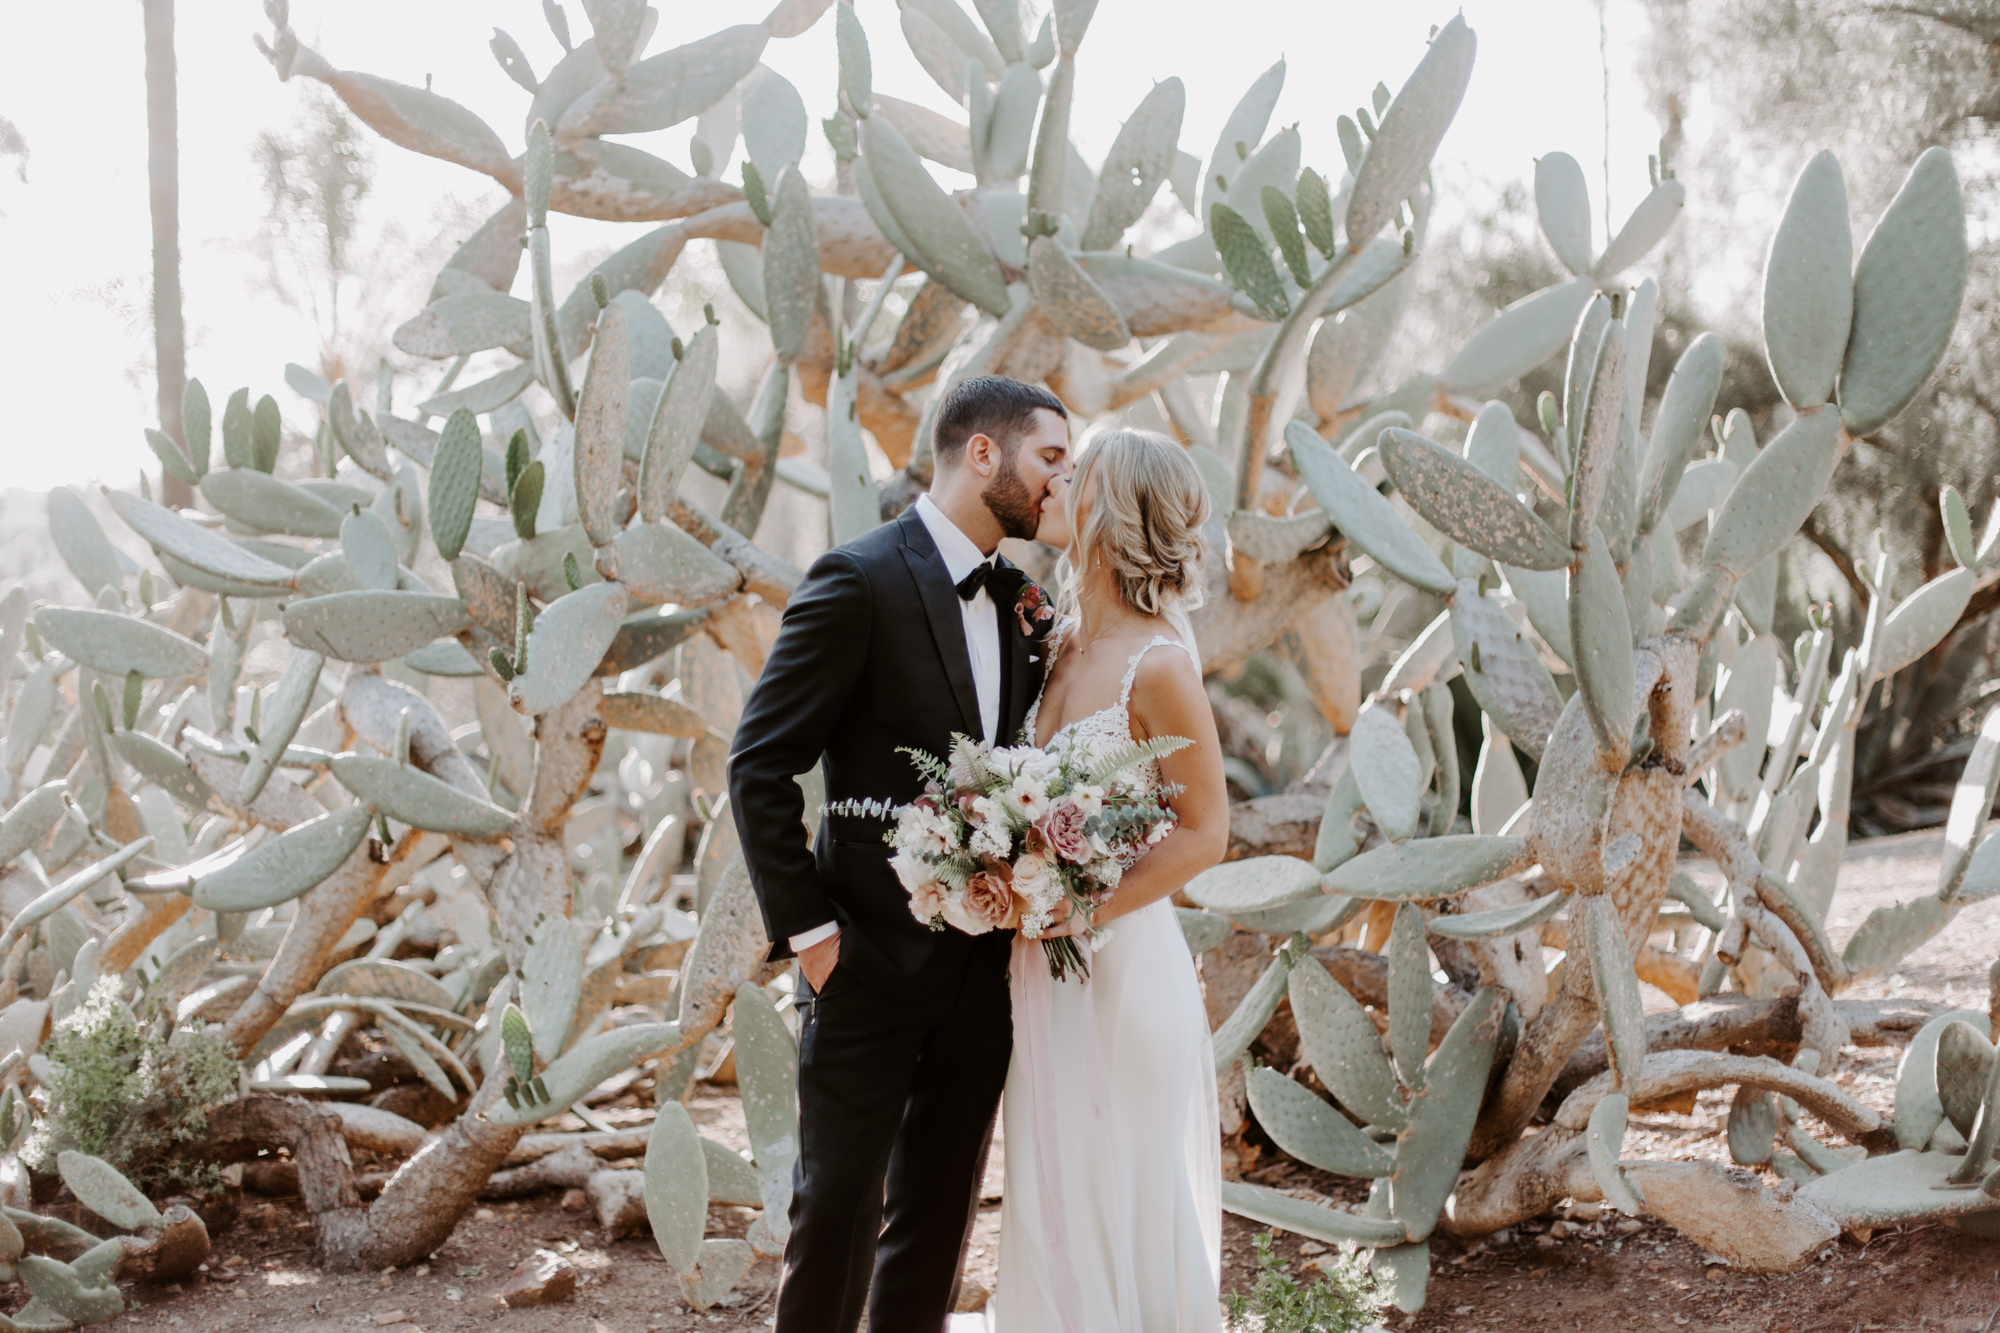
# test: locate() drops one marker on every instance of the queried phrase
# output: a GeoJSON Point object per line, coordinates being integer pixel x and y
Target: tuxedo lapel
{"type": "Point", "coordinates": [1021, 671]}
{"type": "Point", "coordinates": [941, 609]}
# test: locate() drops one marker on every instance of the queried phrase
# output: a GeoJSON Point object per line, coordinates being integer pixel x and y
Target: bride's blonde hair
{"type": "Point", "coordinates": [1146, 520]}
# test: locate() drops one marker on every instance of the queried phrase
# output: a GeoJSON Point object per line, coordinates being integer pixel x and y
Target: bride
{"type": "Point", "coordinates": [1112, 1219]}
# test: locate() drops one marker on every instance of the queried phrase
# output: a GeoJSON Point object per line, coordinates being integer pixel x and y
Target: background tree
{"type": "Point", "coordinates": [163, 178]}
{"type": "Point", "coordinates": [315, 179]}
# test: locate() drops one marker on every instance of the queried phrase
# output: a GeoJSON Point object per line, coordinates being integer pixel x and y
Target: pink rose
{"type": "Point", "coordinates": [1062, 827]}
{"type": "Point", "coordinates": [989, 901]}
{"type": "Point", "coordinates": [927, 900]}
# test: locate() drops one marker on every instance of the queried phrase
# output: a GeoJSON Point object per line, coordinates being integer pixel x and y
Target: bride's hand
{"type": "Point", "coordinates": [1068, 921]}
{"type": "Point", "coordinates": [1054, 528]}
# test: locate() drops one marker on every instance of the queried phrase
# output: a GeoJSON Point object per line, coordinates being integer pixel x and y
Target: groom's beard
{"type": "Point", "coordinates": [1009, 500]}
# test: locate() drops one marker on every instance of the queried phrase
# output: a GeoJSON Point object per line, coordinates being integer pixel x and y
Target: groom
{"type": "Point", "coordinates": [899, 638]}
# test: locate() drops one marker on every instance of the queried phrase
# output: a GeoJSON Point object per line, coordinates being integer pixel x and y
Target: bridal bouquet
{"type": "Point", "coordinates": [1000, 837]}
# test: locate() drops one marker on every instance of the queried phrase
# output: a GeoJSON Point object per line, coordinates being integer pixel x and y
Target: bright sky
{"type": "Point", "coordinates": [75, 332]}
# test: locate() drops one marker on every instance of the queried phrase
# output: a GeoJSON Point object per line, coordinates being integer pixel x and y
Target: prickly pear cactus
{"type": "Point", "coordinates": [420, 728]}
{"type": "Point", "coordinates": [1560, 552]}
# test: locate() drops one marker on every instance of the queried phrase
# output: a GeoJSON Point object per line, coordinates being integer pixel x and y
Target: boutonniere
{"type": "Point", "coordinates": [1033, 611]}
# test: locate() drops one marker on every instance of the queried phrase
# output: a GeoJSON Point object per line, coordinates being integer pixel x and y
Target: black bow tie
{"type": "Point", "coordinates": [1000, 581]}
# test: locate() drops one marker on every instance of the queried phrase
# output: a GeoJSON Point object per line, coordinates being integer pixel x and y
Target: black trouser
{"type": "Point", "coordinates": [903, 1095]}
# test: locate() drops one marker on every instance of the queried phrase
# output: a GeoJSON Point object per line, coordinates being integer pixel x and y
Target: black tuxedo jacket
{"type": "Point", "coordinates": [871, 657]}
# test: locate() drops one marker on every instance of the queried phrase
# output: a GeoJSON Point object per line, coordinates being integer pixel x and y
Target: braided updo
{"type": "Point", "coordinates": [1145, 520]}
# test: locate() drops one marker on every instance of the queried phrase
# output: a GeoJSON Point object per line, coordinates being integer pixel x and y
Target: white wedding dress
{"type": "Point", "coordinates": [1112, 1217]}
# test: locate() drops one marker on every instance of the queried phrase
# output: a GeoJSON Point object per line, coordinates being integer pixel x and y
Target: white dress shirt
{"type": "Point", "coordinates": [982, 643]}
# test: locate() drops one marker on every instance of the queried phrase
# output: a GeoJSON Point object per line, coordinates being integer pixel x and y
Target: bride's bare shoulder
{"type": "Point", "coordinates": [1167, 672]}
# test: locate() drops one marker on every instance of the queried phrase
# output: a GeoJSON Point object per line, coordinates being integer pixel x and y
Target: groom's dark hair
{"type": "Point", "coordinates": [990, 405]}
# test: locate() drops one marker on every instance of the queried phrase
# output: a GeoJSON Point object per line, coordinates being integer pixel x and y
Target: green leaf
{"type": "Point", "coordinates": [1499, 920]}
{"type": "Point", "coordinates": [791, 265]}
{"type": "Point", "coordinates": [525, 498]}
{"type": "Point", "coordinates": [568, 640]}
{"type": "Point", "coordinates": [1603, 1139]}
{"type": "Point", "coordinates": [1386, 768]}
{"type": "Point", "coordinates": [1307, 1128]}
{"type": "Point", "coordinates": [1283, 220]}
{"type": "Point", "coordinates": [236, 430]}
{"type": "Point", "coordinates": [1332, 1226]}
{"type": "Point", "coordinates": [1642, 231]}
{"type": "Point", "coordinates": [195, 427]}
{"type": "Point", "coordinates": [1360, 511]}
{"type": "Point", "coordinates": [1467, 505]}
{"type": "Point", "coordinates": [1254, 883]}
{"type": "Point", "coordinates": [552, 985]}
{"type": "Point", "coordinates": [1140, 159]}
{"type": "Point", "coordinates": [289, 702]}
{"type": "Point", "coordinates": [1601, 633]}
{"type": "Point", "coordinates": [856, 69]}
{"type": "Point", "coordinates": [372, 625]}
{"type": "Point", "coordinates": [1809, 285]}
{"type": "Point", "coordinates": [102, 1188]}
{"type": "Point", "coordinates": [676, 1187]}
{"type": "Point", "coordinates": [1071, 300]}
{"type": "Point", "coordinates": [599, 449]}
{"type": "Point", "coordinates": [115, 643]}
{"type": "Point", "coordinates": [267, 504]}
{"type": "Point", "coordinates": [1430, 1151]}
{"type": "Point", "coordinates": [518, 1039]}
{"type": "Point", "coordinates": [1519, 339]}
{"type": "Point", "coordinates": [172, 460]}
{"type": "Point", "coordinates": [1617, 988]}
{"type": "Point", "coordinates": [286, 866]}
{"type": "Point", "coordinates": [413, 797]}
{"type": "Point", "coordinates": [1410, 132]}
{"type": "Point", "coordinates": [1908, 285]}
{"type": "Point", "coordinates": [1562, 205]}
{"type": "Point", "coordinates": [1246, 258]}
{"type": "Point", "coordinates": [1315, 210]}
{"type": "Point", "coordinates": [454, 482]}
{"type": "Point", "coordinates": [1409, 996]}
{"type": "Point", "coordinates": [1340, 1042]}
{"type": "Point", "coordinates": [385, 979]}
{"type": "Point", "coordinates": [1429, 868]}
{"type": "Point", "coordinates": [266, 432]}
{"type": "Point", "coordinates": [947, 245]}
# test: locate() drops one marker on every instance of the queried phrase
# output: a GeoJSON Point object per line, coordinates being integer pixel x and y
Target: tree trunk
{"type": "Point", "coordinates": [163, 173]}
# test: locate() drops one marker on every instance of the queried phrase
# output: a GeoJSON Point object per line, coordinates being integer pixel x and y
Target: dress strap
{"type": "Point", "coordinates": [1132, 667]}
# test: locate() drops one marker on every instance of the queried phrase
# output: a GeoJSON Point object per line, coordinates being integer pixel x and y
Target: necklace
{"type": "Point", "coordinates": [1084, 642]}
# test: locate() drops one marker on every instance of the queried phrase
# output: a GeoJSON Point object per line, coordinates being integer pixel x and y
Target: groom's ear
{"type": "Point", "coordinates": [982, 453]}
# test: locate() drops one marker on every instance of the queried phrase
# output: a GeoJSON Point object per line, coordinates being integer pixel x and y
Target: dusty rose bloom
{"type": "Point", "coordinates": [990, 901]}
{"type": "Point", "coordinates": [1063, 829]}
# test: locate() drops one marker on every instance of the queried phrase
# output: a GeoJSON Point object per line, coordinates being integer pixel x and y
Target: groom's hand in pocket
{"type": "Point", "coordinates": [816, 961]}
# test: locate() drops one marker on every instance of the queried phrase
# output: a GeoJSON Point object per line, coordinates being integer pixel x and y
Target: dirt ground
{"type": "Point", "coordinates": [1579, 1272]}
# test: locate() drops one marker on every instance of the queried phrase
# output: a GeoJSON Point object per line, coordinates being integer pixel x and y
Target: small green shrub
{"type": "Point", "coordinates": [135, 1093]}
{"type": "Point", "coordinates": [1340, 1302]}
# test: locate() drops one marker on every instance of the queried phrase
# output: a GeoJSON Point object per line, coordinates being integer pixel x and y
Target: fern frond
{"type": "Point", "coordinates": [951, 872]}
{"type": "Point", "coordinates": [976, 761]}
{"type": "Point", "coordinates": [927, 763]}
{"type": "Point", "coordinates": [1131, 756]}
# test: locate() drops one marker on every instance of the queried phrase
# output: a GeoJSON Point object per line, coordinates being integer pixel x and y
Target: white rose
{"type": "Point", "coordinates": [1036, 881]}
{"type": "Point", "coordinates": [909, 870]}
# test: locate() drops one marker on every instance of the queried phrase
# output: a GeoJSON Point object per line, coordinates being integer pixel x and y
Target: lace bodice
{"type": "Point", "coordinates": [1110, 728]}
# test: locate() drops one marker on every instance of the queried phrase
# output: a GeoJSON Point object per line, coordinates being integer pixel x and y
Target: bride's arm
{"type": "Point", "coordinates": [1168, 700]}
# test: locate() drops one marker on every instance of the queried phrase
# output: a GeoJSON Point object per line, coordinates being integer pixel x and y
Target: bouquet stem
{"type": "Point", "coordinates": [1065, 956]}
